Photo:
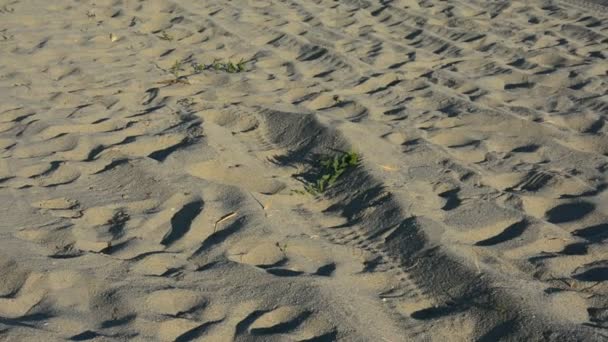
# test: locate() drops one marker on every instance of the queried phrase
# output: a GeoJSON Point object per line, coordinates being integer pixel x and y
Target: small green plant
{"type": "Point", "coordinates": [165, 36]}
{"type": "Point", "coordinates": [240, 66]}
{"type": "Point", "coordinates": [175, 71]}
{"type": "Point", "coordinates": [215, 65]}
{"type": "Point", "coordinates": [332, 167]}
{"type": "Point", "coordinates": [218, 65]}
{"type": "Point", "coordinates": [176, 68]}
{"type": "Point", "coordinates": [198, 68]}
{"type": "Point", "coordinates": [229, 67]}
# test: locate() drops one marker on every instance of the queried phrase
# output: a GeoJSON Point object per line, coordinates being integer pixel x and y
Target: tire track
{"type": "Point", "coordinates": [397, 246]}
{"type": "Point", "coordinates": [601, 5]}
{"type": "Point", "coordinates": [452, 49]}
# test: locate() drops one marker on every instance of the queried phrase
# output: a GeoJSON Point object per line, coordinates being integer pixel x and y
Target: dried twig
{"type": "Point", "coordinates": [222, 219]}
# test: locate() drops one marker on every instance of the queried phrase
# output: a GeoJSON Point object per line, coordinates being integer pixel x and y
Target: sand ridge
{"type": "Point", "coordinates": [144, 199]}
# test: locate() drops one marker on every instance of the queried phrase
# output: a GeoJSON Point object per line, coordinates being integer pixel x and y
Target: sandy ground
{"type": "Point", "coordinates": [145, 195]}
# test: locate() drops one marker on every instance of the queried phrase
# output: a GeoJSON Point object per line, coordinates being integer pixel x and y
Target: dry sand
{"type": "Point", "coordinates": [137, 208]}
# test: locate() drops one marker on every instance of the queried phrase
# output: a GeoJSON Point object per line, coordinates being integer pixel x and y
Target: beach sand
{"type": "Point", "coordinates": [151, 190]}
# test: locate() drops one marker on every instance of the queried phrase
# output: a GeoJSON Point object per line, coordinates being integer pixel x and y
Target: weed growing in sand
{"type": "Point", "coordinates": [218, 65]}
{"type": "Point", "coordinates": [198, 68]}
{"type": "Point", "coordinates": [175, 71]}
{"type": "Point", "coordinates": [165, 36]}
{"type": "Point", "coordinates": [176, 68]}
{"type": "Point", "coordinates": [332, 167]}
{"type": "Point", "coordinates": [229, 66]}
{"type": "Point", "coordinates": [337, 100]}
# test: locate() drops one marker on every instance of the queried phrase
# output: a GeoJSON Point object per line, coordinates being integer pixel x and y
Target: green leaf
{"type": "Point", "coordinates": [333, 167]}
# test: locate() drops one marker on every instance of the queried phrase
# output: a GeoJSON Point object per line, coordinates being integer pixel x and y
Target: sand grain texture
{"type": "Point", "coordinates": [146, 200]}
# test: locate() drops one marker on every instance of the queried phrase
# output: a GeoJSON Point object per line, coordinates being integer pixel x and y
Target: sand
{"type": "Point", "coordinates": [146, 200]}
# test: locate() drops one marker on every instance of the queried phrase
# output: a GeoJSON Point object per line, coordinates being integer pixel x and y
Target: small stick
{"type": "Point", "coordinates": [260, 203]}
{"type": "Point", "coordinates": [222, 219]}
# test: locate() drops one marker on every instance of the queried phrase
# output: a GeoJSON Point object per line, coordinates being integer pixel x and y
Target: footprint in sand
{"type": "Point", "coordinates": [60, 207]}
{"type": "Point", "coordinates": [280, 320]}
{"type": "Point", "coordinates": [250, 178]}
{"type": "Point", "coordinates": [22, 290]}
{"type": "Point", "coordinates": [99, 228]}
{"type": "Point", "coordinates": [13, 278]}
{"type": "Point", "coordinates": [286, 258]}
{"type": "Point", "coordinates": [569, 212]}
{"type": "Point", "coordinates": [175, 302]}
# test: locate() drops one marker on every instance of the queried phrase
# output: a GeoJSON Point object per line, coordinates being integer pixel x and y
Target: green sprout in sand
{"type": "Point", "coordinates": [331, 168]}
{"type": "Point", "coordinates": [175, 70]}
